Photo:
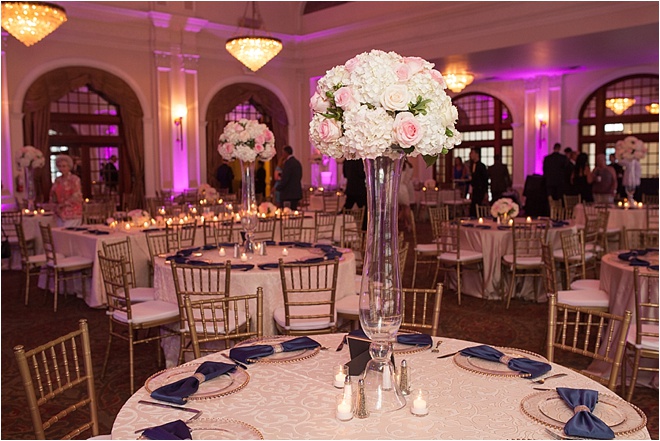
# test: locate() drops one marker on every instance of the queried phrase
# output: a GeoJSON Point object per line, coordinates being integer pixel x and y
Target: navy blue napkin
{"type": "Point", "coordinates": [177, 259]}
{"type": "Point", "coordinates": [101, 233]}
{"type": "Point", "coordinates": [469, 225]}
{"type": "Point", "coordinates": [332, 254]}
{"type": "Point", "coordinates": [584, 423]}
{"type": "Point", "coordinates": [265, 266]}
{"type": "Point", "coordinates": [198, 262]}
{"type": "Point", "coordinates": [209, 246]}
{"type": "Point", "coordinates": [404, 339]}
{"type": "Point", "coordinates": [173, 430]}
{"type": "Point", "coordinates": [557, 224]}
{"type": "Point", "coordinates": [179, 391]}
{"type": "Point", "coordinates": [270, 243]}
{"type": "Point", "coordinates": [286, 243]}
{"type": "Point", "coordinates": [247, 353]}
{"type": "Point", "coordinates": [638, 262]}
{"type": "Point", "coordinates": [242, 266]}
{"type": "Point", "coordinates": [484, 227]}
{"type": "Point", "coordinates": [653, 267]}
{"type": "Point", "coordinates": [226, 244]}
{"type": "Point", "coordinates": [503, 227]}
{"type": "Point", "coordinates": [312, 260]}
{"type": "Point", "coordinates": [532, 368]}
{"type": "Point", "coordinates": [324, 247]}
{"type": "Point", "coordinates": [146, 230]}
{"type": "Point", "coordinates": [187, 251]}
{"type": "Point", "coordinates": [302, 244]}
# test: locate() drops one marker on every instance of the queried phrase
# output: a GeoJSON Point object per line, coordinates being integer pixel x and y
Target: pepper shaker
{"type": "Point", "coordinates": [237, 252]}
{"type": "Point", "coordinates": [361, 404]}
{"type": "Point", "coordinates": [404, 382]}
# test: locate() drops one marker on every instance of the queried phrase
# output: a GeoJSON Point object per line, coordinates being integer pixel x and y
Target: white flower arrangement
{"type": "Point", "coordinates": [504, 206]}
{"type": "Point", "coordinates": [30, 156]}
{"type": "Point", "coordinates": [630, 148]}
{"type": "Point", "coordinates": [139, 217]}
{"type": "Point", "coordinates": [429, 184]}
{"type": "Point", "coordinates": [379, 101]}
{"type": "Point", "coordinates": [205, 191]}
{"type": "Point", "coordinates": [267, 208]}
{"type": "Point", "coordinates": [110, 220]}
{"type": "Point", "coordinates": [246, 140]}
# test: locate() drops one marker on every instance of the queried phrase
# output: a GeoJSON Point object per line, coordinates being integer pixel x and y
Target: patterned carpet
{"type": "Point", "coordinates": [522, 326]}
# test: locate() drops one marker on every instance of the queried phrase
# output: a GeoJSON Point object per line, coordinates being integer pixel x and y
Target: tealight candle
{"type": "Point", "coordinates": [510, 221]}
{"type": "Point", "coordinates": [339, 376]}
{"type": "Point", "coordinates": [344, 409]}
{"type": "Point", "coordinates": [626, 205]}
{"type": "Point", "coordinates": [296, 212]}
{"type": "Point", "coordinates": [145, 224]}
{"type": "Point", "coordinates": [529, 219]}
{"type": "Point", "coordinates": [419, 405]}
{"type": "Point", "coordinates": [35, 212]}
{"type": "Point", "coordinates": [26, 211]}
{"type": "Point", "coordinates": [640, 205]}
{"type": "Point", "coordinates": [285, 252]}
{"type": "Point", "coordinates": [481, 220]}
{"type": "Point", "coordinates": [127, 226]}
{"type": "Point", "coordinates": [244, 257]}
{"type": "Point", "coordinates": [222, 252]}
{"type": "Point", "coordinates": [86, 200]}
{"type": "Point", "coordinates": [620, 204]}
{"type": "Point", "coordinates": [42, 211]}
{"type": "Point", "coordinates": [215, 218]}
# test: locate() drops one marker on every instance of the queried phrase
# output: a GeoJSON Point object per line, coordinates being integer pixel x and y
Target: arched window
{"type": "Point", "coordinates": [485, 123]}
{"type": "Point", "coordinates": [601, 127]}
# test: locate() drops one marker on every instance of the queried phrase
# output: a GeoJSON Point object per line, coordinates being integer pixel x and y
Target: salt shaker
{"type": "Point", "coordinates": [404, 384]}
{"type": "Point", "coordinates": [262, 249]}
{"type": "Point", "coordinates": [237, 252]}
{"type": "Point", "coordinates": [361, 404]}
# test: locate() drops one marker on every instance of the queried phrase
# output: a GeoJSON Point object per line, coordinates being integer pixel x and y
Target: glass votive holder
{"type": "Point", "coordinates": [222, 252]}
{"type": "Point", "coordinates": [339, 373]}
{"type": "Point", "coordinates": [420, 402]}
{"type": "Point", "coordinates": [343, 409]}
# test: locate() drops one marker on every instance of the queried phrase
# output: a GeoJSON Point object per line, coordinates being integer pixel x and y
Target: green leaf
{"type": "Point", "coordinates": [429, 160]}
{"type": "Point", "coordinates": [408, 150]}
{"type": "Point", "coordinates": [449, 133]}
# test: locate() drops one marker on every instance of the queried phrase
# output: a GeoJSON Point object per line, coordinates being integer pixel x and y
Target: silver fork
{"type": "Point", "coordinates": [543, 380]}
{"type": "Point", "coordinates": [436, 346]}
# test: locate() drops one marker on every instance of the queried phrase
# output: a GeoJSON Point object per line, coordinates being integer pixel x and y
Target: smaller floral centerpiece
{"type": "Point", "coordinates": [429, 184]}
{"type": "Point", "coordinates": [246, 140]}
{"type": "Point", "coordinates": [205, 191]}
{"type": "Point", "coordinates": [139, 217]}
{"type": "Point", "coordinates": [504, 208]}
{"type": "Point", "coordinates": [629, 151]}
{"type": "Point", "coordinates": [630, 148]}
{"type": "Point", "coordinates": [267, 209]}
{"type": "Point", "coordinates": [30, 157]}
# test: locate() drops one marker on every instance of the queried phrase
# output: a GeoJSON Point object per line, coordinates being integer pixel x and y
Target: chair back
{"type": "Point", "coordinates": [96, 212]}
{"type": "Point", "coordinates": [181, 235]}
{"type": "Point", "coordinates": [483, 211]}
{"type": "Point", "coordinates": [646, 306]}
{"type": "Point", "coordinates": [48, 244]}
{"type": "Point", "coordinates": [557, 203]}
{"type": "Point", "coordinates": [603, 198]}
{"type": "Point", "coordinates": [421, 309]}
{"type": "Point", "coordinates": [22, 246]}
{"type": "Point", "coordinates": [650, 199]}
{"type": "Point", "coordinates": [226, 318]}
{"type": "Point", "coordinates": [351, 224]}
{"type": "Point", "coordinates": [119, 250]}
{"type": "Point", "coordinates": [447, 236]}
{"type": "Point", "coordinates": [549, 273]}
{"type": "Point", "coordinates": [528, 237]}
{"type": "Point", "coordinates": [324, 225]}
{"type": "Point", "coordinates": [116, 282]}
{"type": "Point", "coordinates": [309, 291]}
{"type": "Point", "coordinates": [291, 227]}
{"type": "Point", "coordinates": [331, 201]}
{"type": "Point", "coordinates": [559, 213]}
{"type": "Point", "coordinates": [158, 244]}
{"type": "Point", "coordinates": [587, 332]}
{"type": "Point", "coordinates": [638, 238]}
{"type": "Point", "coordinates": [9, 221]}
{"type": "Point", "coordinates": [218, 231]}
{"type": "Point", "coordinates": [652, 216]}
{"type": "Point", "coordinates": [52, 369]}
{"type": "Point", "coordinates": [570, 200]}
{"type": "Point", "coordinates": [440, 213]}
{"type": "Point", "coordinates": [265, 229]}
{"type": "Point", "coordinates": [572, 245]}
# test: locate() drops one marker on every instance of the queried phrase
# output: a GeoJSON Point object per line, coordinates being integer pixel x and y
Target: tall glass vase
{"type": "Point", "coordinates": [380, 290]}
{"type": "Point", "coordinates": [248, 212]}
{"type": "Point", "coordinates": [30, 189]}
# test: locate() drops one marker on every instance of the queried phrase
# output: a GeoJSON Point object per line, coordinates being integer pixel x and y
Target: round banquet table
{"type": "Point", "coordinates": [296, 400]}
{"type": "Point", "coordinates": [619, 217]}
{"type": "Point", "coordinates": [247, 282]}
{"type": "Point", "coordinates": [494, 243]}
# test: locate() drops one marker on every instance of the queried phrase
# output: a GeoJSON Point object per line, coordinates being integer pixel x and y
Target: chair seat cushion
{"type": "Point", "coordinates": [588, 299]}
{"type": "Point", "coordinates": [426, 248]}
{"type": "Point", "coordinates": [589, 284]}
{"type": "Point", "coordinates": [142, 294]}
{"type": "Point", "coordinates": [348, 305]}
{"type": "Point", "coordinates": [40, 259]}
{"type": "Point", "coordinates": [466, 256]}
{"type": "Point", "coordinates": [648, 342]}
{"type": "Point", "coordinates": [73, 263]}
{"type": "Point", "coordinates": [279, 315]}
{"type": "Point", "coordinates": [151, 311]}
{"type": "Point", "coordinates": [531, 261]}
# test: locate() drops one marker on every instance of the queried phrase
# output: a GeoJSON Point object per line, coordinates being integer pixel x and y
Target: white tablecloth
{"type": "Point", "coordinates": [297, 401]}
{"type": "Point", "coordinates": [619, 217]}
{"type": "Point", "coordinates": [494, 244]}
{"type": "Point", "coordinates": [32, 233]}
{"type": "Point", "coordinates": [247, 282]}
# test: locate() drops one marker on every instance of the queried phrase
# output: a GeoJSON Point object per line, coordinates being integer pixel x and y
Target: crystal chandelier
{"type": "Point", "coordinates": [652, 108]}
{"type": "Point", "coordinates": [619, 105]}
{"type": "Point", "coordinates": [252, 50]}
{"type": "Point", "coordinates": [30, 22]}
{"type": "Point", "coordinates": [458, 81]}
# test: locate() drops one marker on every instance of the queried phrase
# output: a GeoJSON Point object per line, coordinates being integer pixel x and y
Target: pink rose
{"type": "Point", "coordinates": [415, 64]}
{"type": "Point", "coordinates": [437, 76]}
{"type": "Point", "coordinates": [258, 148]}
{"type": "Point", "coordinates": [329, 130]}
{"type": "Point", "coordinates": [403, 72]}
{"type": "Point", "coordinates": [351, 64]}
{"type": "Point", "coordinates": [344, 98]}
{"type": "Point", "coordinates": [318, 103]}
{"type": "Point", "coordinates": [406, 130]}
{"type": "Point", "coordinates": [260, 139]}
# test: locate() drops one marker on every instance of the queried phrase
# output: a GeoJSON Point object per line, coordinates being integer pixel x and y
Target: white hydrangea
{"type": "Point", "coordinates": [247, 140]}
{"type": "Point", "coordinates": [30, 156]}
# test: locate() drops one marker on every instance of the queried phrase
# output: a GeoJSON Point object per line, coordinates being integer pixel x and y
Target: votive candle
{"type": "Point", "coordinates": [244, 257]}
{"type": "Point", "coordinates": [481, 220]}
{"type": "Point", "coordinates": [285, 252]}
{"type": "Point", "coordinates": [529, 219]}
{"type": "Point", "coordinates": [419, 405]}
{"type": "Point", "coordinates": [222, 252]}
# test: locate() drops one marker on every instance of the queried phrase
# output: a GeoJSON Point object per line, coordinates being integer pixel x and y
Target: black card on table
{"type": "Point", "coordinates": [360, 356]}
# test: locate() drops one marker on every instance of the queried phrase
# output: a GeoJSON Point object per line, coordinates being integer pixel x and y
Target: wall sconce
{"type": "Point", "coordinates": [179, 113]}
{"type": "Point", "coordinates": [652, 108]}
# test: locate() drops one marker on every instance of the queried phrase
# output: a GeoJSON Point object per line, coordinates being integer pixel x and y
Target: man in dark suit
{"type": "Point", "coordinates": [356, 183]}
{"type": "Point", "coordinates": [555, 166]}
{"type": "Point", "coordinates": [289, 185]}
{"type": "Point", "coordinates": [479, 182]}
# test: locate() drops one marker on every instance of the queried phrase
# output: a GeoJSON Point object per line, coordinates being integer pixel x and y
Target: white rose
{"type": "Point", "coordinates": [395, 97]}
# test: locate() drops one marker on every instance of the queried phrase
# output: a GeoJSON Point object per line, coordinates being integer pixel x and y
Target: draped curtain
{"type": "Point", "coordinates": [54, 85]}
{"type": "Point", "coordinates": [224, 102]}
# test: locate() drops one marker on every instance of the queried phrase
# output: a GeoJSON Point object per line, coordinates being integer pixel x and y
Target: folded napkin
{"type": "Point", "coordinates": [632, 254]}
{"type": "Point", "coordinates": [199, 262]}
{"type": "Point", "coordinates": [332, 254]}
{"type": "Point", "coordinates": [302, 244]}
{"type": "Point", "coordinates": [101, 233]}
{"type": "Point", "coordinates": [557, 224]}
{"type": "Point", "coordinates": [469, 225]}
{"type": "Point", "coordinates": [270, 243]}
{"type": "Point", "coordinates": [247, 353]}
{"type": "Point", "coordinates": [584, 423]}
{"type": "Point", "coordinates": [177, 259]}
{"type": "Point", "coordinates": [503, 227]}
{"type": "Point", "coordinates": [484, 227]}
{"type": "Point", "coordinates": [324, 246]}
{"type": "Point", "coordinates": [638, 262]}
{"type": "Point", "coordinates": [187, 251]}
{"type": "Point", "coordinates": [209, 246]}
{"type": "Point", "coordinates": [226, 244]}
{"type": "Point", "coordinates": [652, 250]}
{"type": "Point", "coordinates": [286, 243]}
{"type": "Point", "coordinates": [530, 368]}
{"type": "Point", "coordinates": [242, 266]}
{"type": "Point", "coordinates": [146, 230]}
{"type": "Point", "coordinates": [173, 430]}
{"type": "Point", "coordinates": [265, 266]}
{"type": "Point", "coordinates": [312, 260]}
{"type": "Point", "coordinates": [404, 339]}
{"type": "Point", "coordinates": [179, 391]}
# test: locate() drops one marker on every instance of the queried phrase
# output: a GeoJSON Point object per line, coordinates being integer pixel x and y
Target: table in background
{"type": "Point", "coordinates": [247, 282]}
{"type": "Point", "coordinates": [619, 217]}
{"type": "Point", "coordinates": [297, 401]}
{"type": "Point", "coordinates": [31, 230]}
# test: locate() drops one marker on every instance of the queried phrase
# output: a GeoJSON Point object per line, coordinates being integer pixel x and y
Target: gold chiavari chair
{"type": "Point", "coordinates": [331, 202]}
{"type": "Point", "coordinates": [483, 211]}
{"type": "Point", "coordinates": [526, 260]}
{"type": "Point", "coordinates": [559, 213]}
{"type": "Point", "coordinates": [351, 227]}
{"type": "Point", "coordinates": [122, 249]}
{"type": "Point", "coordinates": [95, 213]}
{"type": "Point", "coordinates": [421, 309]}
{"type": "Point", "coordinates": [50, 370]}
{"type": "Point", "coordinates": [218, 231]}
{"type": "Point", "coordinates": [291, 226]}
{"type": "Point", "coordinates": [429, 199]}
{"type": "Point", "coordinates": [324, 226]}
{"type": "Point", "coordinates": [423, 253]}
{"type": "Point", "coordinates": [573, 259]}
{"type": "Point", "coordinates": [265, 229]}
{"type": "Point", "coordinates": [642, 340]}
{"type": "Point", "coordinates": [199, 283]}
{"type": "Point", "coordinates": [309, 291]}
{"type": "Point", "coordinates": [589, 333]}
{"type": "Point", "coordinates": [226, 319]}
{"type": "Point", "coordinates": [126, 318]}
{"type": "Point", "coordinates": [181, 235]}
{"type": "Point", "coordinates": [556, 203]}
{"type": "Point", "coordinates": [158, 245]}
{"type": "Point", "coordinates": [639, 238]}
{"type": "Point", "coordinates": [650, 199]}
{"type": "Point", "coordinates": [652, 217]}
{"type": "Point", "coordinates": [439, 214]}
{"type": "Point", "coordinates": [570, 200]}
{"type": "Point", "coordinates": [30, 264]}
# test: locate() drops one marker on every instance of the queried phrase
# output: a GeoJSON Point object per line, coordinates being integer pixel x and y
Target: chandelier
{"type": "Point", "coordinates": [619, 105]}
{"type": "Point", "coordinates": [458, 81]}
{"type": "Point", "coordinates": [30, 22]}
{"type": "Point", "coordinates": [652, 108]}
{"type": "Point", "coordinates": [252, 50]}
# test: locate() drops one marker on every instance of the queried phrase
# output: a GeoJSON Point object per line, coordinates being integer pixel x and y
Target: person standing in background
{"type": "Point", "coordinates": [111, 174]}
{"type": "Point", "coordinates": [225, 177]}
{"type": "Point", "coordinates": [618, 171]}
{"type": "Point", "coordinates": [479, 181]}
{"type": "Point", "coordinates": [604, 180]}
{"type": "Point", "coordinates": [403, 196]}
{"type": "Point", "coordinates": [356, 183]}
{"type": "Point", "coordinates": [290, 186]}
{"type": "Point", "coordinates": [500, 179]}
{"type": "Point", "coordinates": [461, 175]}
{"type": "Point", "coordinates": [260, 182]}
{"type": "Point", "coordinates": [66, 194]}
{"type": "Point", "coordinates": [277, 175]}
{"type": "Point", "coordinates": [555, 168]}
{"type": "Point", "coordinates": [581, 179]}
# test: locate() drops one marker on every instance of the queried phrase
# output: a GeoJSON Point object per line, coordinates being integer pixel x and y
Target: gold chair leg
{"type": "Point", "coordinates": [512, 287]}
{"type": "Point", "coordinates": [56, 290]}
{"type": "Point", "coordinates": [414, 272]}
{"type": "Point", "coordinates": [107, 351]}
{"type": "Point", "coordinates": [27, 285]}
{"type": "Point", "coordinates": [458, 283]}
{"type": "Point", "coordinates": [633, 378]}
{"type": "Point", "coordinates": [130, 358]}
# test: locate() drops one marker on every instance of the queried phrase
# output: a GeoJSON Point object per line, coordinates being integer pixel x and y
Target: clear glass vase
{"type": "Point", "coordinates": [248, 211]}
{"type": "Point", "coordinates": [30, 189]}
{"type": "Point", "coordinates": [380, 290]}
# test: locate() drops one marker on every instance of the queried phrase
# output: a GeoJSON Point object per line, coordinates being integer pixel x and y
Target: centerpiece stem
{"type": "Point", "coordinates": [30, 190]}
{"type": "Point", "coordinates": [248, 212]}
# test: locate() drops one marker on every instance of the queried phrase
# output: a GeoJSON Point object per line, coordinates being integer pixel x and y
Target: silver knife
{"type": "Point", "coordinates": [170, 406]}
{"type": "Point", "coordinates": [449, 355]}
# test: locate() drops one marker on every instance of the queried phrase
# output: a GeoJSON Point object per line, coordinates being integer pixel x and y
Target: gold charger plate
{"type": "Point", "coordinates": [217, 387]}
{"type": "Point", "coordinates": [279, 357]}
{"type": "Point", "coordinates": [550, 410]}
{"type": "Point", "coordinates": [487, 367]}
{"type": "Point", "coordinates": [222, 428]}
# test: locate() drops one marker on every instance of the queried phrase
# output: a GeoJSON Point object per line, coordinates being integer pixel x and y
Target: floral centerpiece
{"type": "Point", "coordinates": [205, 191]}
{"type": "Point", "coordinates": [267, 209]}
{"type": "Point", "coordinates": [503, 208]}
{"type": "Point", "coordinates": [429, 184]}
{"type": "Point", "coordinates": [139, 217]}
{"type": "Point", "coordinates": [30, 157]}
{"type": "Point", "coordinates": [380, 107]}
{"type": "Point", "coordinates": [629, 151]}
